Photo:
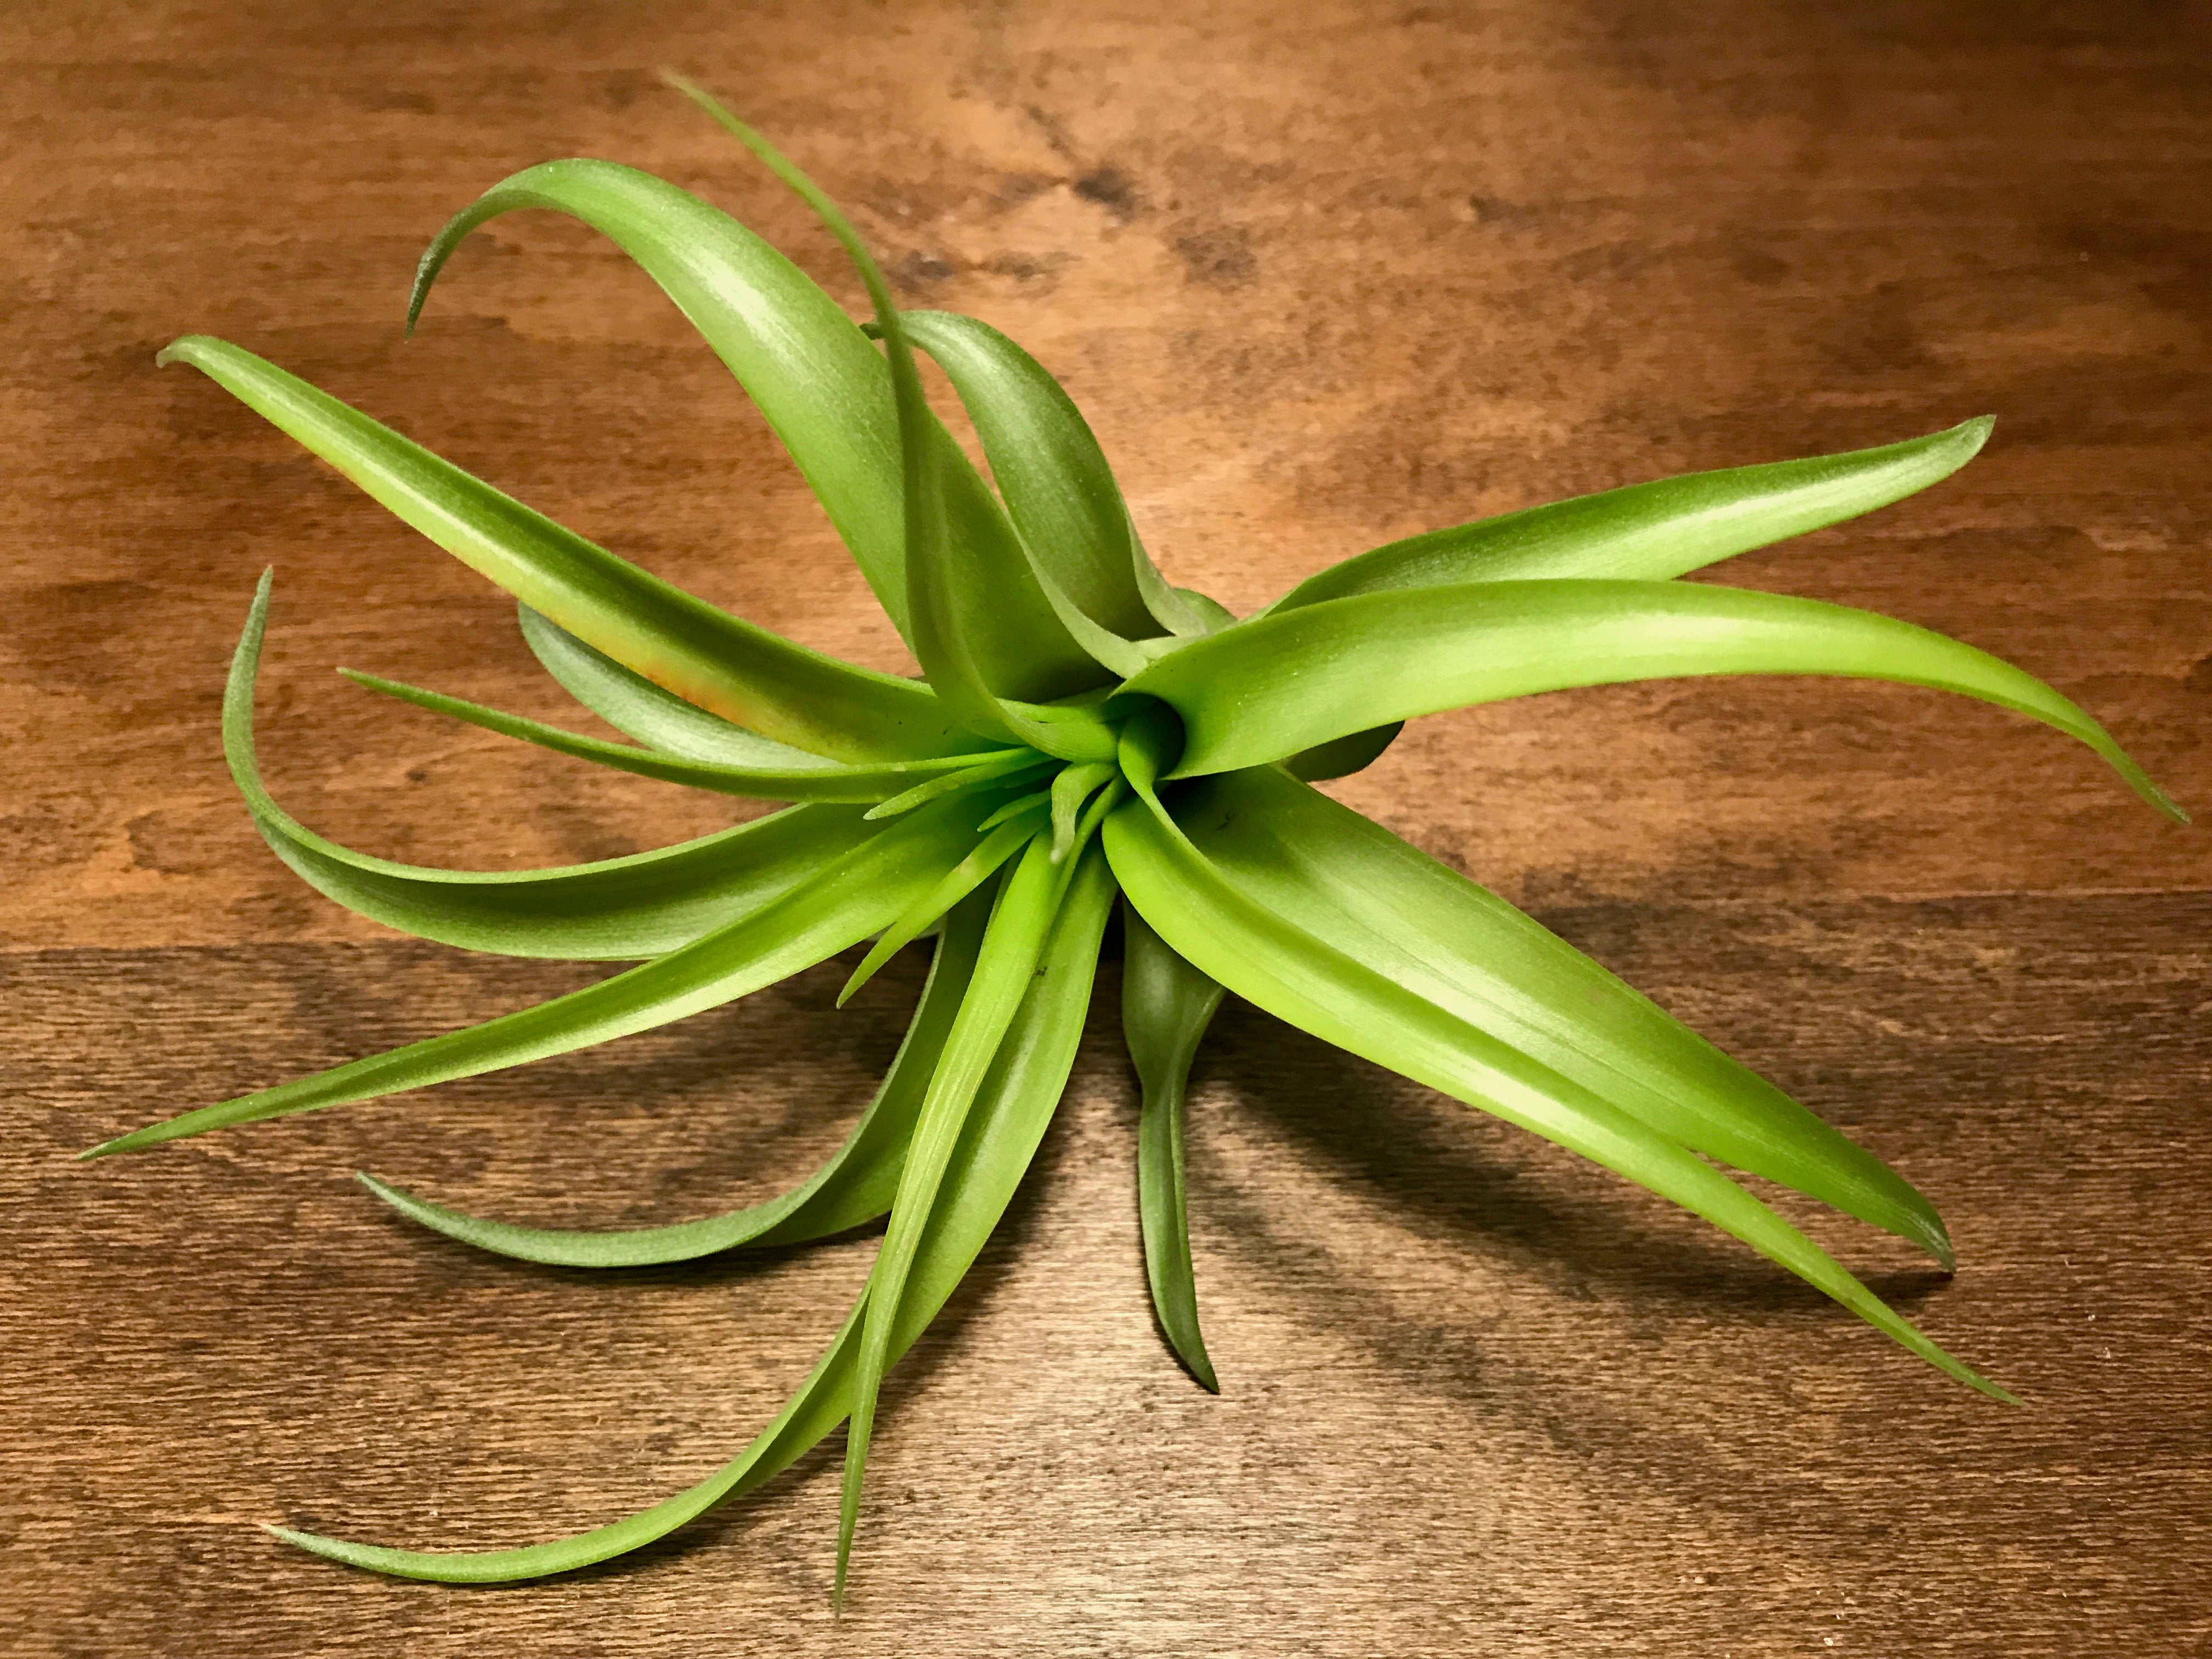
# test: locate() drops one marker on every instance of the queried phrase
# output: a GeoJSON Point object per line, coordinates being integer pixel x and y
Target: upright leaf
{"type": "Point", "coordinates": [1048, 465]}
{"type": "Point", "coordinates": [988, 637]}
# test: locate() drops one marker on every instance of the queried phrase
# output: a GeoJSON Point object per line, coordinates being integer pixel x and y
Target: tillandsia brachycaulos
{"type": "Point", "coordinates": [1083, 730]}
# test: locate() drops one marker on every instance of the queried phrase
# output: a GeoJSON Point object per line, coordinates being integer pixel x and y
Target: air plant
{"type": "Point", "coordinates": [1083, 730]}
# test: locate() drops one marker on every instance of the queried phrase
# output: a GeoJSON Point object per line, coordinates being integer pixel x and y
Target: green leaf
{"type": "Point", "coordinates": [1047, 463]}
{"type": "Point", "coordinates": [1166, 1006]}
{"type": "Point", "coordinates": [997, 1141]}
{"type": "Point", "coordinates": [743, 673]}
{"type": "Point", "coordinates": [1358, 889]}
{"type": "Point", "coordinates": [816, 780]}
{"type": "Point", "coordinates": [1650, 531]}
{"type": "Point", "coordinates": [621, 908]}
{"type": "Point", "coordinates": [1339, 757]}
{"type": "Point", "coordinates": [855, 1185]}
{"type": "Point", "coordinates": [820, 384]}
{"type": "Point", "coordinates": [1005, 767]}
{"type": "Point", "coordinates": [1019, 928]}
{"type": "Point", "coordinates": [633, 705]}
{"type": "Point", "coordinates": [1275, 961]}
{"type": "Point", "coordinates": [1000, 842]}
{"type": "Point", "coordinates": [1270, 688]}
{"type": "Point", "coordinates": [986, 635]}
{"type": "Point", "coordinates": [1070, 788]}
{"type": "Point", "coordinates": [837, 907]}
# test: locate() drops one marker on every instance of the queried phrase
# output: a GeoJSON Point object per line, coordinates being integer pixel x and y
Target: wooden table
{"type": "Point", "coordinates": [1322, 275]}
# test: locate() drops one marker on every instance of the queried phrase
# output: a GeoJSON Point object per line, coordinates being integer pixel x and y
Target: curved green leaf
{"type": "Point", "coordinates": [1003, 768]}
{"type": "Point", "coordinates": [1339, 757]}
{"type": "Point", "coordinates": [1274, 962]}
{"type": "Point", "coordinates": [855, 1185]}
{"type": "Point", "coordinates": [816, 780]}
{"type": "Point", "coordinates": [985, 632]}
{"type": "Point", "coordinates": [1000, 842]}
{"type": "Point", "coordinates": [635, 706]}
{"type": "Point", "coordinates": [1166, 1006]}
{"type": "Point", "coordinates": [618, 909]}
{"type": "Point", "coordinates": [706, 656]}
{"type": "Point", "coordinates": [1020, 927]}
{"type": "Point", "coordinates": [837, 907]}
{"type": "Point", "coordinates": [997, 1141]}
{"type": "Point", "coordinates": [1270, 688]}
{"type": "Point", "coordinates": [1650, 531]}
{"type": "Point", "coordinates": [1355, 886]}
{"type": "Point", "coordinates": [791, 346]}
{"type": "Point", "coordinates": [1047, 463]}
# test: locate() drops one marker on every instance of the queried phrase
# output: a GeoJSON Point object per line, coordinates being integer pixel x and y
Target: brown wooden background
{"type": "Point", "coordinates": [1323, 275]}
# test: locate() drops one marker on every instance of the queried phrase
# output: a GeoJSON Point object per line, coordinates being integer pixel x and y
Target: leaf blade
{"type": "Point", "coordinates": [1656, 531]}
{"type": "Point", "coordinates": [835, 909]}
{"type": "Point", "coordinates": [997, 1144]}
{"type": "Point", "coordinates": [623, 909]}
{"type": "Point", "coordinates": [853, 1185]}
{"type": "Point", "coordinates": [1270, 688]}
{"type": "Point", "coordinates": [1047, 462]}
{"type": "Point", "coordinates": [638, 708]}
{"type": "Point", "coordinates": [1353, 885]}
{"type": "Point", "coordinates": [1272, 961]}
{"type": "Point", "coordinates": [855, 781]}
{"type": "Point", "coordinates": [988, 638]}
{"type": "Point", "coordinates": [705, 655]}
{"type": "Point", "coordinates": [1166, 1006]}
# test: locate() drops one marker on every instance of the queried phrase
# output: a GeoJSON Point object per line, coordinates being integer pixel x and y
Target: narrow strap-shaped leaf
{"type": "Point", "coordinates": [1002, 841]}
{"type": "Point", "coordinates": [743, 673]}
{"type": "Point", "coordinates": [837, 907]}
{"type": "Point", "coordinates": [1003, 766]}
{"type": "Point", "coordinates": [1047, 463]}
{"type": "Point", "coordinates": [996, 1144]}
{"type": "Point", "coordinates": [984, 630]}
{"type": "Point", "coordinates": [1354, 885]}
{"type": "Point", "coordinates": [621, 908]}
{"type": "Point", "coordinates": [1650, 531]}
{"type": "Point", "coordinates": [1020, 925]}
{"type": "Point", "coordinates": [1166, 1006]}
{"type": "Point", "coordinates": [1274, 962]}
{"type": "Point", "coordinates": [1020, 804]}
{"type": "Point", "coordinates": [815, 780]}
{"type": "Point", "coordinates": [633, 705]}
{"type": "Point", "coordinates": [1267, 689]}
{"type": "Point", "coordinates": [854, 1186]}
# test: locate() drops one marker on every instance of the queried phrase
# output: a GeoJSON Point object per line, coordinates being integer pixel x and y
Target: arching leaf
{"type": "Point", "coordinates": [743, 673]}
{"type": "Point", "coordinates": [1269, 688]}
{"type": "Point", "coordinates": [1650, 531]}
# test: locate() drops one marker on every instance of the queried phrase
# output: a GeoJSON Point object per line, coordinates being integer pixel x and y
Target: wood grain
{"type": "Point", "coordinates": [1322, 276]}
